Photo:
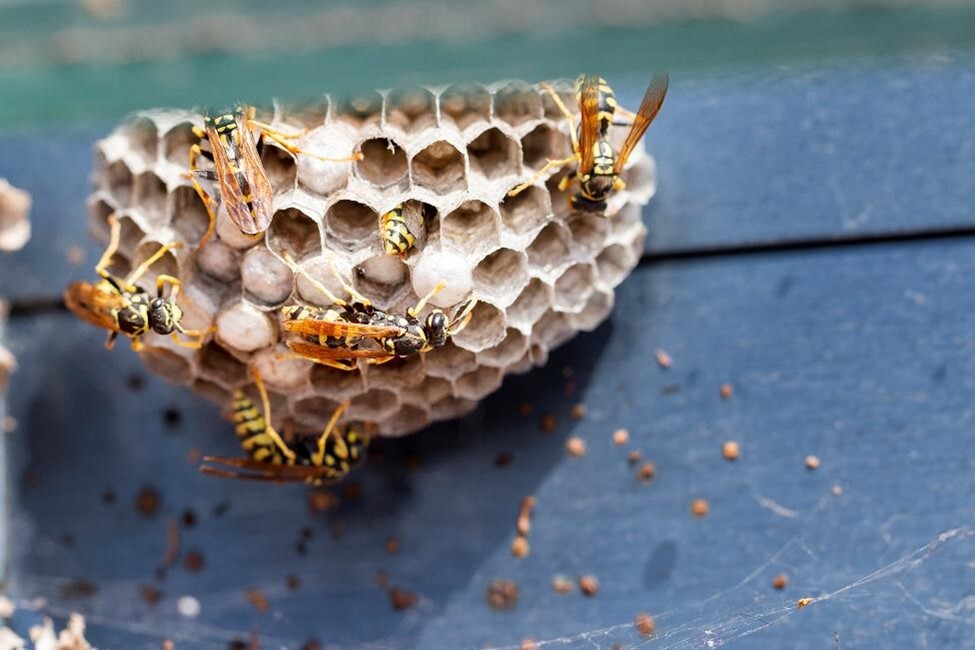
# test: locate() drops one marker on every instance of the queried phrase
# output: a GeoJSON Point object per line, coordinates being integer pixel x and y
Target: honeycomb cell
{"type": "Point", "coordinates": [326, 272]}
{"type": "Point", "coordinates": [531, 304]}
{"type": "Point", "coordinates": [142, 138]}
{"type": "Point", "coordinates": [473, 229]}
{"type": "Point", "coordinates": [280, 370]}
{"type": "Point", "coordinates": [598, 307]}
{"type": "Point", "coordinates": [98, 212]}
{"type": "Point", "coordinates": [476, 385]}
{"type": "Point", "coordinates": [560, 198]}
{"type": "Point", "coordinates": [573, 288]}
{"type": "Point", "coordinates": [219, 261]}
{"type": "Point", "coordinates": [398, 375]}
{"type": "Point", "coordinates": [408, 419]}
{"type": "Point", "coordinates": [440, 168]}
{"type": "Point", "coordinates": [190, 217]}
{"type": "Point", "coordinates": [130, 236]}
{"type": "Point", "coordinates": [509, 351]}
{"type": "Point", "coordinates": [450, 362]}
{"type": "Point", "coordinates": [526, 211]}
{"type": "Point", "coordinates": [177, 142]}
{"type": "Point", "coordinates": [267, 280]}
{"type": "Point", "coordinates": [119, 181]}
{"type": "Point", "coordinates": [361, 109]}
{"type": "Point", "coordinates": [550, 253]}
{"type": "Point", "coordinates": [168, 364]}
{"type": "Point", "coordinates": [411, 110]}
{"type": "Point", "coordinates": [221, 367]}
{"type": "Point", "coordinates": [566, 92]}
{"type": "Point", "coordinates": [485, 330]}
{"type": "Point", "coordinates": [517, 103]}
{"type": "Point", "coordinates": [167, 264]}
{"type": "Point", "coordinates": [614, 264]}
{"type": "Point", "coordinates": [382, 279]}
{"type": "Point", "coordinates": [465, 105]}
{"type": "Point", "coordinates": [552, 330]}
{"type": "Point", "coordinates": [433, 389]}
{"type": "Point", "coordinates": [544, 143]}
{"type": "Point", "coordinates": [351, 225]}
{"type": "Point", "coordinates": [244, 327]}
{"type": "Point", "coordinates": [373, 405]}
{"type": "Point", "coordinates": [452, 407]}
{"type": "Point", "coordinates": [383, 163]}
{"type": "Point", "coordinates": [588, 232]}
{"type": "Point", "coordinates": [294, 232]}
{"type": "Point", "coordinates": [501, 276]}
{"type": "Point", "coordinates": [280, 166]}
{"type": "Point", "coordinates": [312, 413]}
{"type": "Point", "coordinates": [307, 115]}
{"type": "Point", "coordinates": [325, 164]}
{"type": "Point", "coordinates": [149, 195]}
{"type": "Point", "coordinates": [340, 384]}
{"type": "Point", "coordinates": [493, 155]}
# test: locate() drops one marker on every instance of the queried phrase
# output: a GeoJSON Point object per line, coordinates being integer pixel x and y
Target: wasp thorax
{"type": "Point", "coordinates": [164, 316]}
{"type": "Point", "coordinates": [599, 185]}
{"type": "Point", "coordinates": [437, 328]}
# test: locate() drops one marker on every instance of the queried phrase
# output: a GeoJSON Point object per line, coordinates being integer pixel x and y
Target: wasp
{"type": "Point", "coordinates": [394, 229]}
{"type": "Point", "coordinates": [599, 165]}
{"type": "Point", "coordinates": [245, 190]}
{"type": "Point", "coordinates": [332, 335]}
{"type": "Point", "coordinates": [122, 307]}
{"type": "Point", "coordinates": [316, 460]}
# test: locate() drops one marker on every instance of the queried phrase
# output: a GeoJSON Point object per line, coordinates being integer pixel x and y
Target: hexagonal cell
{"type": "Point", "coordinates": [440, 168]}
{"type": "Point", "coordinates": [566, 92]}
{"type": "Point", "coordinates": [219, 261]}
{"type": "Point", "coordinates": [167, 363]}
{"type": "Point", "coordinates": [544, 143]}
{"type": "Point", "coordinates": [588, 231]}
{"type": "Point", "coordinates": [280, 166]}
{"type": "Point", "coordinates": [382, 279]}
{"type": "Point", "coordinates": [340, 384]}
{"type": "Point", "coordinates": [475, 385]}
{"type": "Point", "coordinates": [559, 198]}
{"type": "Point", "coordinates": [351, 225]}
{"type": "Point", "coordinates": [383, 163]}
{"type": "Point", "coordinates": [550, 250]}
{"type": "Point", "coordinates": [149, 194]}
{"type": "Point", "coordinates": [373, 405]}
{"type": "Point", "coordinates": [267, 280]}
{"type": "Point", "coordinates": [211, 391]}
{"type": "Point", "coordinates": [98, 212]}
{"type": "Point", "coordinates": [509, 351]}
{"type": "Point", "coordinates": [526, 211]}
{"type": "Point", "coordinates": [409, 418]}
{"type": "Point", "coordinates": [119, 181]}
{"type": "Point", "coordinates": [573, 288]}
{"type": "Point", "coordinates": [433, 389]}
{"type": "Point", "coordinates": [552, 330]}
{"type": "Point", "coordinates": [473, 228]}
{"type": "Point", "coordinates": [485, 330]}
{"type": "Point", "coordinates": [167, 264]}
{"type": "Point", "coordinates": [396, 375]}
{"type": "Point", "coordinates": [597, 308]}
{"type": "Point", "coordinates": [465, 105]}
{"type": "Point", "coordinates": [493, 155]}
{"type": "Point", "coordinates": [613, 264]}
{"type": "Point", "coordinates": [312, 413]}
{"type": "Point", "coordinates": [189, 215]}
{"type": "Point", "coordinates": [411, 110]}
{"type": "Point", "coordinates": [243, 327]}
{"type": "Point", "coordinates": [130, 236]}
{"type": "Point", "coordinates": [326, 272]}
{"type": "Point", "coordinates": [538, 354]}
{"type": "Point", "coordinates": [360, 109]}
{"type": "Point", "coordinates": [531, 304]}
{"type": "Point", "coordinates": [308, 115]}
{"type": "Point", "coordinates": [452, 407]}
{"type": "Point", "coordinates": [293, 231]}
{"type": "Point", "coordinates": [501, 276]}
{"type": "Point", "coordinates": [218, 365]}
{"type": "Point", "coordinates": [280, 370]}
{"type": "Point", "coordinates": [517, 103]}
{"type": "Point", "coordinates": [450, 362]}
{"type": "Point", "coordinates": [142, 137]}
{"type": "Point", "coordinates": [177, 142]}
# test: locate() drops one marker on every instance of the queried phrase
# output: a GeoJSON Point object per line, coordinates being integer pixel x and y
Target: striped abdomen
{"type": "Point", "coordinates": [607, 103]}
{"type": "Point", "coordinates": [251, 428]}
{"type": "Point", "coordinates": [397, 238]}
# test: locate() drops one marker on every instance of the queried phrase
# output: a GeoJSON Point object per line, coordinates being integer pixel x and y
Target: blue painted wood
{"type": "Point", "coordinates": [863, 357]}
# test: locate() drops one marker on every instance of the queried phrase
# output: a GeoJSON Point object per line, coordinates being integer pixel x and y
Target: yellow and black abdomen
{"type": "Point", "coordinates": [251, 428]}
{"type": "Point", "coordinates": [397, 238]}
{"type": "Point", "coordinates": [606, 102]}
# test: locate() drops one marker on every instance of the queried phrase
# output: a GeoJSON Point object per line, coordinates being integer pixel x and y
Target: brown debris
{"type": "Point", "coordinates": [548, 423]}
{"type": "Point", "coordinates": [634, 457]}
{"type": "Point", "coordinates": [528, 644]}
{"type": "Point", "coordinates": [730, 450]}
{"type": "Point", "coordinates": [647, 471]}
{"type": "Point", "coordinates": [75, 255]}
{"type": "Point", "coordinates": [353, 491]}
{"type": "Point", "coordinates": [575, 446]}
{"type": "Point", "coordinates": [147, 501]}
{"type": "Point", "coordinates": [257, 598]}
{"type": "Point", "coordinates": [293, 583]}
{"type": "Point", "coordinates": [502, 594]}
{"type": "Point", "coordinates": [172, 542]}
{"type": "Point", "coordinates": [504, 459]}
{"type": "Point", "coordinates": [167, 644]}
{"type": "Point", "coordinates": [79, 588]}
{"type": "Point", "coordinates": [519, 547]}
{"type": "Point", "coordinates": [663, 359]}
{"type": "Point", "coordinates": [524, 515]}
{"type": "Point", "coordinates": [644, 624]}
{"type": "Point", "coordinates": [194, 456]}
{"type": "Point", "coordinates": [578, 411]}
{"type": "Point", "coordinates": [193, 561]}
{"type": "Point", "coordinates": [400, 599]}
{"type": "Point", "coordinates": [150, 594]}
{"type": "Point", "coordinates": [562, 585]}
{"type": "Point", "coordinates": [108, 497]}
{"type": "Point", "coordinates": [188, 518]}
{"type": "Point", "coordinates": [589, 585]}
{"type": "Point", "coordinates": [621, 437]}
{"type": "Point", "coordinates": [837, 490]}
{"type": "Point", "coordinates": [322, 501]}
{"type": "Point", "coordinates": [392, 546]}
{"type": "Point", "coordinates": [526, 408]}
{"type": "Point", "coordinates": [802, 602]}
{"type": "Point", "coordinates": [812, 462]}
{"type": "Point", "coordinates": [311, 644]}
{"type": "Point", "coordinates": [726, 391]}
{"type": "Point", "coordinates": [780, 581]}
{"type": "Point", "coordinates": [700, 507]}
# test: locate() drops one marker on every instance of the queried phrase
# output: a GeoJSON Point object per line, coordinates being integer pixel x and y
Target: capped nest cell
{"type": "Point", "coordinates": [539, 272]}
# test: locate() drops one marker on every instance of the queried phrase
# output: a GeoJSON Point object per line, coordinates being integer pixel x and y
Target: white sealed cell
{"type": "Point", "coordinates": [536, 271]}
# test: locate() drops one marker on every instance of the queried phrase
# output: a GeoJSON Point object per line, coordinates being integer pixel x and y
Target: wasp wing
{"type": "Point", "coordinates": [234, 197]}
{"type": "Point", "coordinates": [589, 122]}
{"type": "Point", "coordinates": [653, 99]}
{"type": "Point", "coordinates": [246, 468]}
{"type": "Point", "coordinates": [340, 329]}
{"type": "Point", "coordinates": [317, 352]}
{"type": "Point", "coordinates": [93, 304]}
{"type": "Point", "coordinates": [262, 194]}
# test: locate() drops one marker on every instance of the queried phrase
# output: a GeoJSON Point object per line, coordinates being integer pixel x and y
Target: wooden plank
{"type": "Point", "coordinates": [863, 357]}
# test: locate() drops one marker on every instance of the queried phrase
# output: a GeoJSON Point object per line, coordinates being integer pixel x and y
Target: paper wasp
{"type": "Point", "coordinates": [332, 335]}
{"type": "Point", "coordinates": [312, 459]}
{"type": "Point", "coordinates": [599, 165]}
{"type": "Point", "coordinates": [394, 228]}
{"type": "Point", "coordinates": [122, 307]}
{"type": "Point", "coordinates": [237, 169]}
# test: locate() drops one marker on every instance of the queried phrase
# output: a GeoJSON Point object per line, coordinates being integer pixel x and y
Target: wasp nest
{"type": "Point", "coordinates": [539, 272]}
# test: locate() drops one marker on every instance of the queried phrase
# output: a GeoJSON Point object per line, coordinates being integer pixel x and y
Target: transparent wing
{"type": "Point", "coordinates": [653, 99]}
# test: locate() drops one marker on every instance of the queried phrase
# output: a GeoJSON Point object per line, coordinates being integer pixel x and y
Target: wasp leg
{"type": "Point", "coordinates": [315, 283]}
{"type": "Point", "coordinates": [551, 164]}
{"type": "Point", "coordinates": [356, 296]}
{"type": "Point", "coordinates": [319, 456]}
{"type": "Point", "coordinates": [619, 184]}
{"type": "Point", "coordinates": [195, 152]}
{"type": "Point", "coordinates": [565, 182]}
{"type": "Point", "coordinates": [565, 111]}
{"type": "Point", "coordinates": [115, 232]}
{"type": "Point", "coordinates": [266, 403]}
{"type": "Point", "coordinates": [331, 363]}
{"type": "Point", "coordinates": [413, 311]}
{"type": "Point", "coordinates": [155, 257]}
{"type": "Point", "coordinates": [137, 345]}
{"type": "Point", "coordinates": [382, 360]}
{"type": "Point", "coordinates": [461, 320]}
{"type": "Point", "coordinates": [110, 341]}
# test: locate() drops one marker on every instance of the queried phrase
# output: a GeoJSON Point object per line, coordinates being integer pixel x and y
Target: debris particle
{"type": "Point", "coordinates": [392, 546]}
{"type": "Point", "coordinates": [172, 417]}
{"type": "Point", "coordinates": [528, 644]}
{"type": "Point", "coordinates": [136, 382]}
{"type": "Point", "coordinates": [338, 529]}
{"type": "Point", "coordinates": [189, 518]}
{"type": "Point", "coordinates": [525, 514]}
{"type": "Point", "coordinates": [167, 644]}
{"type": "Point", "coordinates": [575, 446]}
{"type": "Point", "coordinates": [412, 462]}
{"type": "Point", "coordinates": [193, 561]}
{"type": "Point", "coordinates": [780, 581]}
{"type": "Point", "coordinates": [193, 456]}
{"type": "Point", "coordinates": [147, 501]}
{"type": "Point", "coordinates": [726, 391]}
{"type": "Point", "coordinates": [802, 602]}
{"type": "Point", "coordinates": [621, 437]}
{"type": "Point", "coordinates": [502, 594]}
{"type": "Point", "coordinates": [188, 606]}
{"type": "Point", "coordinates": [150, 594]}
{"type": "Point", "coordinates": [311, 644]}
{"type": "Point", "coordinates": [562, 585]}
{"type": "Point", "coordinates": [589, 585]}
{"type": "Point", "coordinates": [812, 462]}
{"type": "Point", "coordinates": [402, 599]}
{"type": "Point", "coordinates": [222, 508]}
{"type": "Point", "coordinates": [9, 424]}
{"type": "Point", "coordinates": [663, 359]}
{"type": "Point", "coordinates": [322, 501]}
{"type": "Point", "coordinates": [257, 599]}
{"type": "Point", "coordinates": [526, 408]}
{"type": "Point", "coordinates": [79, 589]}
{"type": "Point", "coordinates": [548, 423]}
{"type": "Point", "coordinates": [519, 547]}
{"type": "Point", "coordinates": [503, 459]}
{"type": "Point", "coordinates": [353, 491]}
{"type": "Point", "coordinates": [301, 548]}
{"type": "Point", "coordinates": [570, 388]}
{"type": "Point", "coordinates": [75, 255]}
{"type": "Point", "coordinates": [172, 542]}
{"type": "Point", "coordinates": [700, 507]}
{"type": "Point", "coordinates": [578, 411]}
{"type": "Point", "coordinates": [644, 624]}
{"type": "Point", "coordinates": [307, 532]}
{"type": "Point", "coordinates": [108, 497]}
{"type": "Point", "coordinates": [647, 471]}
{"type": "Point", "coordinates": [730, 450]}
{"type": "Point", "coordinates": [293, 583]}
{"type": "Point", "coordinates": [634, 457]}
{"type": "Point", "coordinates": [837, 490]}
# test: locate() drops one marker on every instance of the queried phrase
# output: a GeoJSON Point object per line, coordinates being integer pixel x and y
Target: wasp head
{"type": "Point", "coordinates": [436, 327]}
{"type": "Point", "coordinates": [164, 316]}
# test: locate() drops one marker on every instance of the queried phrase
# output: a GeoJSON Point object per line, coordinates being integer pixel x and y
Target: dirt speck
{"type": "Point", "coordinates": [647, 471]}
{"type": "Point", "coordinates": [562, 585]}
{"type": "Point", "coordinates": [802, 602]}
{"type": "Point", "coordinates": [151, 595]}
{"type": "Point", "coordinates": [780, 581]}
{"type": "Point", "coordinates": [548, 423]}
{"type": "Point", "coordinates": [392, 546]}
{"type": "Point", "coordinates": [293, 583]}
{"type": "Point", "coordinates": [730, 450]}
{"type": "Point", "coordinates": [578, 411]}
{"type": "Point", "coordinates": [663, 359]}
{"type": "Point", "coordinates": [634, 457]}
{"type": "Point", "coordinates": [147, 501]}
{"type": "Point", "coordinates": [193, 561]}
{"type": "Point", "coordinates": [621, 437]}
{"type": "Point", "coordinates": [812, 462]}
{"type": "Point", "coordinates": [257, 599]}
{"type": "Point", "coordinates": [644, 624]}
{"type": "Point", "coordinates": [520, 547]}
{"type": "Point", "coordinates": [503, 459]}
{"type": "Point", "coordinates": [589, 585]}
{"type": "Point", "coordinates": [502, 594]}
{"type": "Point", "coordinates": [726, 391]}
{"type": "Point", "coordinates": [575, 446]}
{"type": "Point", "coordinates": [700, 507]}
